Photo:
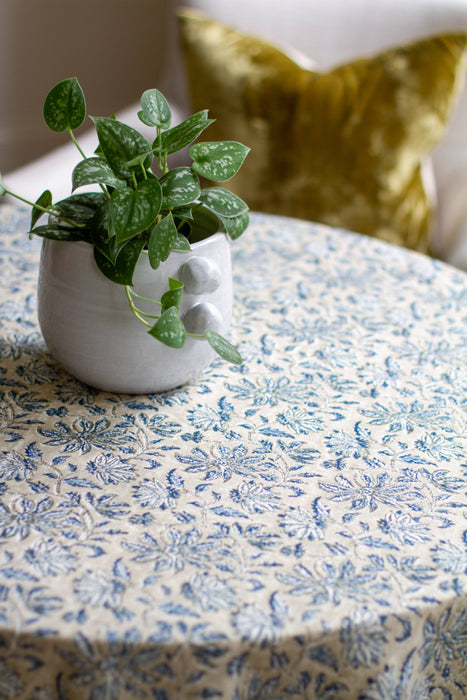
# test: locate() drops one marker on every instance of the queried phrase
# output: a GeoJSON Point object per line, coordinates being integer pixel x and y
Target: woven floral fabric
{"type": "Point", "coordinates": [295, 527]}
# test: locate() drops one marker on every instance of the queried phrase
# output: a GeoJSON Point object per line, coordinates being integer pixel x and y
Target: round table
{"type": "Point", "coordinates": [293, 527]}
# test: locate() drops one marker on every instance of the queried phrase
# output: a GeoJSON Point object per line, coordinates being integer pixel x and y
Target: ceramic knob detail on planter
{"type": "Point", "coordinates": [201, 316]}
{"type": "Point", "coordinates": [200, 275]}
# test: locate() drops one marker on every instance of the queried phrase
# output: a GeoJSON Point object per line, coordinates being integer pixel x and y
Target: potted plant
{"type": "Point", "coordinates": [134, 291]}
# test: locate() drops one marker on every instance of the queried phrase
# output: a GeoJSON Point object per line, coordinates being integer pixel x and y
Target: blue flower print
{"type": "Point", "coordinates": [445, 639]}
{"type": "Point", "coordinates": [366, 491]}
{"type": "Point", "coordinates": [450, 557]}
{"type": "Point", "coordinates": [175, 550]}
{"type": "Point", "coordinates": [38, 371]}
{"type": "Point", "coordinates": [260, 625]}
{"type": "Point", "coordinates": [346, 445]}
{"type": "Point", "coordinates": [10, 682]}
{"type": "Point", "coordinates": [209, 592]}
{"type": "Point", "coordinates": [403, 528]}
{"type": "Point", "coordinates": [152, 493]}
{"type": "Point", "coordinates": [209, 418]}
{"type": "Point", "coordinates": [25, 515]}
{"type": "Point", "coordinates": [110, 469]}
{"type": "Point", "coordinates": [15, 466]}
{"type": "Point", "coordinates": [95, 588]}
{"type": "Point", "coordinates": [49, 558]}
{"type": "Point", "coordinates": [270, 391]}
{"type": "Point", "coordinates": [331, 585]}
{"type": "Point", "coordinates": [84, 434]}
{"type": "Point", "coordinates": [254, 498]}
{"type": "Point", "coordinates": [388, 374]}
{"type": "Point", "coordinates": [73, 392]}
{"type": "Point", "coordinates": [112, 668]}
{"type": "Point", "coordinates": [405, 685]}
{"type": "Point", "coordinates": [439, 447]}
{"type": "Point", "coordinates": [363, 636]}
{"type": "Point", "coordinates": [407, 417]}
{"type": "Point", "coordinates": [306, 524]}
{"type": "Point", "coordinates": [225, 461]}
{"type": "Point", "coordinates": [298, 420]}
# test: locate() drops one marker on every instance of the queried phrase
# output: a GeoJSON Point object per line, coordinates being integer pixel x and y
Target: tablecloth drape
{"type": "Point", "coordinates": [294, 527]}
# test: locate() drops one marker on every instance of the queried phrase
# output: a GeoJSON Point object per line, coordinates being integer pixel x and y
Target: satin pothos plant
{"type": "Point", "coordinates": [143, 207]}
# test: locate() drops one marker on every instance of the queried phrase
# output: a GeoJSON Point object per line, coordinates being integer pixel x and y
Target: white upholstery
{"type": "Point", "coordinates": [330, 33]}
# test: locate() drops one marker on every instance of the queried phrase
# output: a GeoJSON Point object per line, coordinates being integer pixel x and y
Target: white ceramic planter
{"type": "Point", "coordinates": [88, 326]}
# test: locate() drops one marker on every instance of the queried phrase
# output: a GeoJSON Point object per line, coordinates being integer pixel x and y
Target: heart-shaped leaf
{"type": "Point", "coordinates": [223, 202]}
{"type": "Point", "coordinates": [100, 233]}
{"type": "Point", "coordinates": [223, 348]}
{"type": "Point", "coordinates": [156, 110]}
{"type": "Point", "coordinates": [218, 160]}
{"type": "Point", "coordinates": [163, 237]}
{"type": "Point", "coordinates": [80, 207]}
{"type": "Point", "coordinates": [169, 329]}
{"type": "Point", "coordinates": [174, 296]}
{"type": "Point", "coordinates": [65, 106]}
{"type": "Point", "coordinates": [180, 187]}
{"type": "Point", "coordinates": [123, 269]}
{"type": "Point", "coordinates": [181, 244]}
{"type": "Point", "coordinates": [234, 226]}
{"type": "Point", "coordinates": [121, 143]}
{"type": "Point", "coordinates": [186, 132]}
{"type": "Point", "coordinates": [44, 201]}
{"type": "Point", "coordinates": [95, 170]}
{"type": "Point", "coordinates": [56, 232]}
{"type": "Point", "coordinates": [133, 211]}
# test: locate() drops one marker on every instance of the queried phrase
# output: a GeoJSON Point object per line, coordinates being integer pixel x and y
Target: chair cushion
{"type": "Point", "coordinates": [344, 147]}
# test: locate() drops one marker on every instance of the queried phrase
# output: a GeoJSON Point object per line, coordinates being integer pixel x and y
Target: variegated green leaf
{"type": "Point", "coordinates": [57, 232]}
{"type": "Point", "coordinates": [163, 237]}
{"type": "Point", "coordinates": [120, 144]}
{"type": "Point", "coordinates": [123, 269]}
{"type": "Point", "coordinates": [223, 348]}
{"type": "Point", "coordinates": [218, 160]}
{"type": "Point", "coordinates": [155, 109]}
{"type": "Point", "coordinates": [80, 207]}
{"type": "Point", "coordinates": [65, 106]}
{"type": "Point", "coordinates": [186, 132]}
{"type": "Point", "coordinates": [44, 201]}
{"type": "Point", "coordinates": [223, 202]}
{"type": "Point", "coordinates": [173, 296]}
{"type": "Point", "coordinates": [234, 226]}
{"type": "Point", "coordinates": [181, 244]}
{"type": "Point", "coordinates": [169, 329]}
{"type": "Point", "coordinates": [95, 171]}
{"type": "Point", "coordinates": [180, 187]}
{"type": "Point", "coordinates": [133, 211]}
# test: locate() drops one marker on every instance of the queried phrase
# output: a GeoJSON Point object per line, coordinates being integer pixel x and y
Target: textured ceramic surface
{"type": "Point", "coordinates": [87, 324]}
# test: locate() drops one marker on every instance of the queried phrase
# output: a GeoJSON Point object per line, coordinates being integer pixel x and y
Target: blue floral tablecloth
{"type": "Point", "coordinates": [292, 528]}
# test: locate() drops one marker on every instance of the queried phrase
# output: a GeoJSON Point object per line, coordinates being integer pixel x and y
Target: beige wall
{"type": "Point", "coordinates": [115, 48]}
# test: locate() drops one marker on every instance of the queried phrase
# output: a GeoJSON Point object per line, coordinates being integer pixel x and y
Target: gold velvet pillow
{"type": "Point", "coordinates": [344, 148]}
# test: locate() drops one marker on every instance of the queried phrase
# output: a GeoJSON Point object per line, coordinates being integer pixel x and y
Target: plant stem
{"type": "Point", "coordinates": [46, 210]}
{"type": "Point", "coordinates": [73, 138]}
{"type": "Point", "coordinates": [52, 212]}
{"type": "Point", "coordinates": [138, 296]}
{"type": "Point", "coordinates": [136, 312]}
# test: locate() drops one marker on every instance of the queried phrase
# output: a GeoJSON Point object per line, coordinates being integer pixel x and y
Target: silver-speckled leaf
{"type": "Point", "coordinates": [133, 211]}
{"type": "Point", "coordinates": [95, 170]}
{"type": "Point", "coordinates": [180, 186]}
{"type": "Point", "coordinates": [218, 160]}
{"type": "Point", "coordinates": [223, 202]}
{"type": "Point", "coordinates": [65, 106]}
{"type": "Point", "coordinates": [169, 329]}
